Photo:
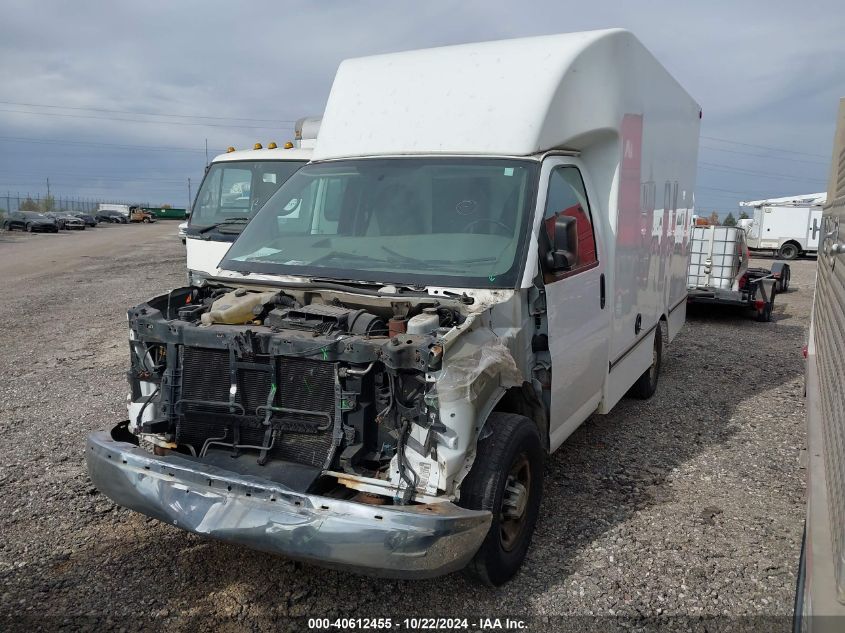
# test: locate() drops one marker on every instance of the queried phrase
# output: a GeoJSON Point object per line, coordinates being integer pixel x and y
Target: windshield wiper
{"type": "Point", "coordinates": [439, 262]}
{"type": "Point", "coordinates": [211, 227]}
{"type": "Point", "coordinates": [348, 256]}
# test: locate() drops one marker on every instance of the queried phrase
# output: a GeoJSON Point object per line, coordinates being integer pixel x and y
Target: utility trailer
{"type": "Point", "coordinates": [719, 272]}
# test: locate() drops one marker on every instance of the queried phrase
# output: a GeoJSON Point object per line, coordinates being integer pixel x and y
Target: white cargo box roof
{"type": "Point", "coordinates": [510, 97]}
{"type": "Point", "coordinates": [265, 154]}
{"type": "Point", "coordinates": [805, 200]}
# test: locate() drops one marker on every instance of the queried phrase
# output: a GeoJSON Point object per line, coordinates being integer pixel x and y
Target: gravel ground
{"type": "Point", "coordinates": [690, 503]}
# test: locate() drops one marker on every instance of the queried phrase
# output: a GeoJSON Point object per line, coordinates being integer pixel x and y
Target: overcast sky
{"type": "Point", "coordinates": [75, 76]}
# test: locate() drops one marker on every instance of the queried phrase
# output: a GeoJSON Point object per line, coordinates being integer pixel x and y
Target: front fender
{"type": "Point", "coordinates": [478, 368]}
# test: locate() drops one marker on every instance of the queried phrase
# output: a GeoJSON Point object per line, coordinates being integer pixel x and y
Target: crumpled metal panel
{"type": "Point", "coordinates": [392, 541]}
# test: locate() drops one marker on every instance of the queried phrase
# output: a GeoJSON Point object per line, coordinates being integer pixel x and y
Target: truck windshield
{"type": "Point", "coordinates": [421, 221]}
{"type": "Point", "coordinates": [237, 189]}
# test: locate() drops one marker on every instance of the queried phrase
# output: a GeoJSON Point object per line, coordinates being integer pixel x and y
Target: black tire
{"type": "Point", "coordinates": [29, 228]}
{"type": "Point", "coordinates": [764, 314]}
{"type": "Point", "coordinates": [789, 251]}
{"type": "Point", "coordinates": [146, 220]}
{"type": "Point", "coordinates": [512, 453]}
{"type": "Point", "coordinates": [783, 283]}
{"type": "Point", "coordinates": [646, 385]}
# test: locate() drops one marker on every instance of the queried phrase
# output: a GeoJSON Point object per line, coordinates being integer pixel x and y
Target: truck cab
{"type": "Point", "coordinates": [374, 373]}
{"type": "Point", "coordinates": [235, 186]}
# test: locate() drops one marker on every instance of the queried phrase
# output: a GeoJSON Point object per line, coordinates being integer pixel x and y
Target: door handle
{"type": "Point", "coordinates": [601, 291]}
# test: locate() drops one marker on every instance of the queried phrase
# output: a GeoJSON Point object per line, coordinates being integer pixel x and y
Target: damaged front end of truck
{"type": "Point", "coordinates": [320, 424]}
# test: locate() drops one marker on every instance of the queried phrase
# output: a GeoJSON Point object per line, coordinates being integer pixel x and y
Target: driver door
{"type": "Point", "coordinates": [576, 302]}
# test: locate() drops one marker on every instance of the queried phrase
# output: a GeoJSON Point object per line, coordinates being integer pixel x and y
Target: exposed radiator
{"type": "Point", "coordinates": [303, 384]}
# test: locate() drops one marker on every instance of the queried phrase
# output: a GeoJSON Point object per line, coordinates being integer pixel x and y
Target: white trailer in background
{"type": "Point", "coordinates": [512, 219]}
{"type": "Point", "coordinates": [120, 208]}
{"type": "Point", "coordinates": [719, 272]}
{"type": "Point", "coordinates": [788, 227]}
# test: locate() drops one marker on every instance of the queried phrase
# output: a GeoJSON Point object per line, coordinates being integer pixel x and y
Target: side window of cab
{"type": "Point", "coordinates": [567, 198]}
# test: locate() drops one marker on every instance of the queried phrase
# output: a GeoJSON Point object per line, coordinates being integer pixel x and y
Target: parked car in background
{"type": "Point", "coordinates": [66, 221]}
{"type": "Point", "coordinates": [30, 221]}
{"type": "Point", "coordinates": [114, 217]}
{"type": "Point", "coordinates": [182, 232]}
{"type": "Point", "coordinates": [141, 215]}
{"type": "Point", "coordinates": [89, 219]}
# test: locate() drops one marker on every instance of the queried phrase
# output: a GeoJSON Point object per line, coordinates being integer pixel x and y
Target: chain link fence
{"type": "Point", "coordinates": [12, 202]}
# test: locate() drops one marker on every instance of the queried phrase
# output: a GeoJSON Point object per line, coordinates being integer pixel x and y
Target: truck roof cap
{"type": "Point", "coordinates": [805, 200]}
{"type": "Point", "coordinates": [511, 97]}
{"type": "Point", "coordinates": [277, 154]}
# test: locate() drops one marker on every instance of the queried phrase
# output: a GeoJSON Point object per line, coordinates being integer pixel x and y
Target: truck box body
{"type": "Point", "coordinates": [778, 221]}
{"type": "Point", "coordinates": [820, 600]}
{"type": "Point", "coordinates": [599, 94]}
{"type": "Point", "coordinates": [120, 208]}
{"type": "Point", "coordinates": [485, 250]}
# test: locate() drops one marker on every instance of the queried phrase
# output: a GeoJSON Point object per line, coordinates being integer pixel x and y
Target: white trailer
{"type": "Point", "coordinates": [719, 272]}
{"type": "Point", "coordinates": [120, 208]}
{"type": "Point", "coordinates": [788, 227]}
{"type": "Point", "coordinates": [489, 246]}
{"type": "Point", "coordinates": [820, 599]}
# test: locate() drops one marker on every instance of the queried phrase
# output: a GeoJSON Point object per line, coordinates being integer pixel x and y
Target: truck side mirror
{"type": "Point", "coordinates": [564, 252]}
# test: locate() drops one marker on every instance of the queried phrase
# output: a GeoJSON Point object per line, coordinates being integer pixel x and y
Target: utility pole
{"type": "Point", "coordinates": [189, 195]}
{"type": "Point", "coordinates": [48, 187]}
{"type": "Point", "coordinates": [206, 153]}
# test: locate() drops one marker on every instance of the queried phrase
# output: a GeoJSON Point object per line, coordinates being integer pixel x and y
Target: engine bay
{"type": "Point", "coordinates": [300, 386]}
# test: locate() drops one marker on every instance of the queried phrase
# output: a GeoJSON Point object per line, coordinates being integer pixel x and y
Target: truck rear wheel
{"type": "Point", "coordinates": [789, 251]}
{"type": "Point", "coordinates": [506, 479]}
{"type": "Point", "coordinates": [646, 384]}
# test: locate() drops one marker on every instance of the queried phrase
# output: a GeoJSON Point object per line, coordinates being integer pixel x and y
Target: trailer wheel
{"type": "Point", "coordinates": [646, 384]}
{"type": "Point", "coordinates": [764, 314]}
{"type": "Point", "coordinates": [783, 282]}
{"type": "Point", "coordinates": [789, 251]}
{"type": "Point", "coordinates": [507, 479]}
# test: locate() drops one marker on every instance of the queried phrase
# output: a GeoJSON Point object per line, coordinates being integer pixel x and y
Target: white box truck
{"type": "Point", "coordinates": [234, 187]}
{"type": "Point", "coordinates": [489, 246]}
{"type": "Point", "coordinates": [788, 227]}
{"type": "Point", "coordinates": [820, 599]}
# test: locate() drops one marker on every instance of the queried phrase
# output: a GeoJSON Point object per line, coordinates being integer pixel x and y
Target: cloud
{"type": "Point", "coordinates": [766, 73]}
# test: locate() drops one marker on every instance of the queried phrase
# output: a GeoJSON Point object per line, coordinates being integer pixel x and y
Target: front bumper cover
{"type": "Point", "coordinates": [417, 541]}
